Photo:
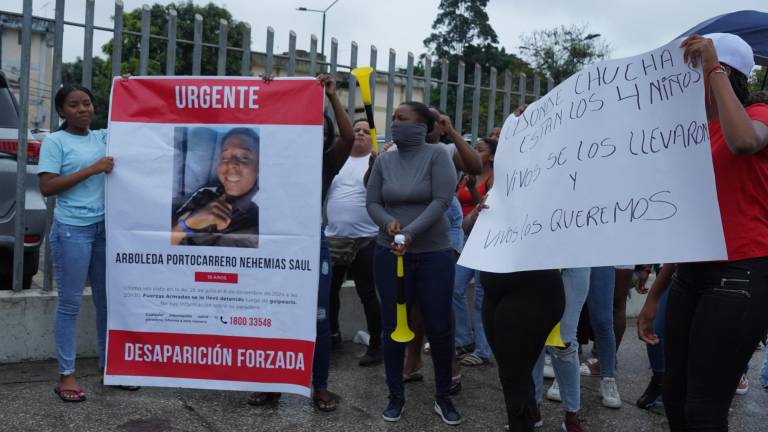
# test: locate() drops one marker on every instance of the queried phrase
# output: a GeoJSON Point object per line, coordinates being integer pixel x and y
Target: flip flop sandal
{"type": "Point", "coordinates": [464, 350]}
{"type": "Point", "coordinates": [413, 377]}
{"type": "Point", "coordinates": [473, 360]}
{"type": "Point", "coordinates": [325, 405]}
{"type": "Point", "coordinates": [70, 394]}
{"type": "Point", "coordinates": [263, 398]}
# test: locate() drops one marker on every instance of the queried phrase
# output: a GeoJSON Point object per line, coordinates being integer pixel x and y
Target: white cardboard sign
{"type": "Point", "coordinates": [613, 166]}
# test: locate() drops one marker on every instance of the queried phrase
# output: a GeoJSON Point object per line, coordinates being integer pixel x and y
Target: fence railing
{"type": "Point", "coordinates": [293, 61]}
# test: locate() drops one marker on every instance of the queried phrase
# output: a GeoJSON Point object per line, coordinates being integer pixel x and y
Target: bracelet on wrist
{"type": "Point", "coordinates": [718, 68]}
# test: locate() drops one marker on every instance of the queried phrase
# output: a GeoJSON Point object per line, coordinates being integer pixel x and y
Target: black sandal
{"type": "Point", "coordinates": [263, 398]}
{"type": "Point", "coordinates": [325, 405]}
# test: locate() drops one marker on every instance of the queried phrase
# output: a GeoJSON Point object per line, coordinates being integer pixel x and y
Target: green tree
{"type": "Point", "coordinates": [185, 29]}
{"type": "Point", "coordinates": [458, 24]}
{"type": "Point", "coordinates": [560, 52]}
{"type": "Point", "coordinates": [758, 81]}
{"type": "Point", "coordinates": [462, 32]}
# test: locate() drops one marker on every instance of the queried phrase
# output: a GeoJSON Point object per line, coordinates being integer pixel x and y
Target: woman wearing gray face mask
{"type": "Point", "coordinates": [408, 193]}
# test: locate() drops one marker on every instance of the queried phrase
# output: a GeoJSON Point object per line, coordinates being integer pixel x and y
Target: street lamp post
{"type": "Point", "coordinates": [322, 11]}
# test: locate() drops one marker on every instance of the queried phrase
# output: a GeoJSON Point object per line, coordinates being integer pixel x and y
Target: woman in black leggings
{"type": "Point", "coordinates": [519, 311]}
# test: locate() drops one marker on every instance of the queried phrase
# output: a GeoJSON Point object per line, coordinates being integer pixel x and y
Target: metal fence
{"type": "Point", "coordinates": [313, 64]}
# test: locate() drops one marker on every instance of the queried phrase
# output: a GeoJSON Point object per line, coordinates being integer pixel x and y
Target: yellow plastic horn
{"type": "Point", "coordinates": [555, 339]}
{"type": "Point", "coordinates": [402, 333]}
{"type": "Point", "coordinates": [363, 77]}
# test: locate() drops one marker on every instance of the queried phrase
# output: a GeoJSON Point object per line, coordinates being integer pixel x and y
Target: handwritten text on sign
{"type": "Point", "coordinates": [613, 166]}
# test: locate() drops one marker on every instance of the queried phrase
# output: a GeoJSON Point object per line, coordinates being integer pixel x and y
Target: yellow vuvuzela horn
{"type": "Point", "coordinates": [402, 333]}
{"type": "Point", "coordinates": [363, 77]}
{"type": "Point", "coordinates": [555, 339]}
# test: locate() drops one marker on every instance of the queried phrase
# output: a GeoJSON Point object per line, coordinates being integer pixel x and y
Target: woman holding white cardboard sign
{"type": "Point", "coordinates": [716, 310]}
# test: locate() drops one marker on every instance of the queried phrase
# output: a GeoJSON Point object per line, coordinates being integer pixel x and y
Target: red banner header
{"type": "Point", "coordinates": [217, 100]}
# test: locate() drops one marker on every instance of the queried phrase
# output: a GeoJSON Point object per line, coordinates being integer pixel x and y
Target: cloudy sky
{"type": "Point", "coordinates": [630, 27]}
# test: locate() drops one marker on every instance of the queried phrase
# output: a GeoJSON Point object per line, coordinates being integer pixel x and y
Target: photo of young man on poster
{"type": "Point", "coordinates": [222, 211]}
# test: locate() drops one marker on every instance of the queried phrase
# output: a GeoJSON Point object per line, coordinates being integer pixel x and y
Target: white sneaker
{"type": "Point", "coordinates": [549, 371]}
{"type": "Point", "coordinates": [610, 393]}
{"type": "Point", "coordinates": [553, 393]}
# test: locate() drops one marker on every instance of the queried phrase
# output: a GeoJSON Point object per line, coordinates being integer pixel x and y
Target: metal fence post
{"type": "Point", "coordinates": [312, 55]}
{"type": "Point", "coordinates": [374, 53]}
{"type": "Point", "coordinates": [492, 102]}
{"type": "Point", "coordinates": [334, 56]}
{"type": "Point", "coordinates": [221, 63]}
{"type": "Point", "coordinates": [521, 89]}
{"type": "Point", "coordinates": [390, 96]}
{"type": "Point", "coordinates": [507, 95]}
{"type": "Point", "coordinates": [351, 82]}
{"type": "Point", "coordinates": [144, 48]}
{"type": "Point", "coordinates": [476, 101]}
{"type": "Point", "coordinates": [459, 100]}
{"type": "Point", "coordinates": [291, 53]}
{"type": "Point", "coordinates": [170, 49]}
{"type": "Point", "coordinates": [550, 84]}
{"type": "Point", "coordinates": [117, 38]}
{"type": "Point", "coordinates": [197, 50]}
{"type": "Point", "coordinates": [245, 62]}
{"type": "Point", "coordinates": [427, 80]}
{"type": "Point", "coordinates": [50, 202]}
{"type": "Point", "coordinates": [409, 78]}
{"type": "Point", "coordinates": [87, 71]}
{"type": "Point", "coordinates": [444, 85]}
{"type": "Point", "coordinates": [21, 151]}
{"type": "Point", "coordinates": [270, 51]}
{"type": "Point", "coordinates": [536, 87]}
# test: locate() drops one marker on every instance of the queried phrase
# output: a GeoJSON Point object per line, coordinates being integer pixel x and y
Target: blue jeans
{"type": "Point", "coordinates": [656, 352]}
{"type": "Point", "coordinates": [464, 334]}
{"type": "Point", "coordinates": [595, 287]}
{"type": "Point", "coordinates": [428, 282]}
{"type": "Point", "coordinates": [78, 252]}
{"type": "Point", "coordinates": [322, 360]}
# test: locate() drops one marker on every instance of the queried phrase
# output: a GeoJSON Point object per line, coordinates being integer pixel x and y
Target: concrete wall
{"type": "Point", "coordinates": [26, 326]}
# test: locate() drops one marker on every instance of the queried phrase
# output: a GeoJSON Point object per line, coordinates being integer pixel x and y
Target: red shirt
{"type": "Point", "coordinates": [742, 190]}
{"type": "Point", "coordinates": [465, 196]}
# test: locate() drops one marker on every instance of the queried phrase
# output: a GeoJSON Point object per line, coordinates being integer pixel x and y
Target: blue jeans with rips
{"type": "Point", "coordinates": [593, 285]}
{"type": "Point", "coordinates": [78, 252]}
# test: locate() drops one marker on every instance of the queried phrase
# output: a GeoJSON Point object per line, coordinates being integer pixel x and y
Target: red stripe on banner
{"type": "Point", "coordinates": [217, 101]}
{"type": "Point", "coordinates": [216, 277]}
{"type": "Point", "coordinates": [210, 357]}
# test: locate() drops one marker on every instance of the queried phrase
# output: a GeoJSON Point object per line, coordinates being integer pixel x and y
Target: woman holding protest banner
{"type": "Point", "coordinates": [716, 310]}
{"type": "Point", "coordinates": [72, 165]}
{"type": "Point", "coordinates": [409, 191]}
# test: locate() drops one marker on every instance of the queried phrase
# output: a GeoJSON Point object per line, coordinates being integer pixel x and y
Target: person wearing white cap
{"type": "Point", "coordinates": [716, 310]}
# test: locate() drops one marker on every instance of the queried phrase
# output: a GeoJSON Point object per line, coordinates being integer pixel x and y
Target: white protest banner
{"type": "Point", "coordinates": [612, 166]}
{"type": "Point", "coordinates": [213, 232]}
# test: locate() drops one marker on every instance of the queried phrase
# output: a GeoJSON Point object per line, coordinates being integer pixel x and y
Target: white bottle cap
{"type": "Point", "coordinates": [399, 239]}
